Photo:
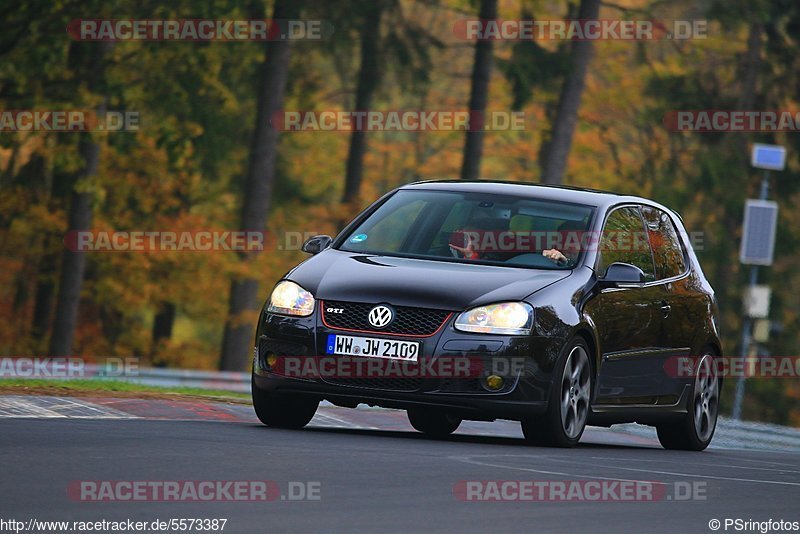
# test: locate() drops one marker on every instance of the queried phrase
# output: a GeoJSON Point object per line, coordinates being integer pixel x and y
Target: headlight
{"type": "Point", "coordinates": [289, 298]}
{"type": "Point", "coordinates": [509, 318]}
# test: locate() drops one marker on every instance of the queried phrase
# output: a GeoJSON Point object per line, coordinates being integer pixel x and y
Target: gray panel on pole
{"type": "Point", "coordinates": [758, 238]}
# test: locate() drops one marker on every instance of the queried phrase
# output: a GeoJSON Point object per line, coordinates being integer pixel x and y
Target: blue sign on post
{"type": "Point", "coordinates": [770, 157]}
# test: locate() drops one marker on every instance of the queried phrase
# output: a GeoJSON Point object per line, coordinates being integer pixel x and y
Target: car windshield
{"type": "Point", "coordinates": [474, 227]}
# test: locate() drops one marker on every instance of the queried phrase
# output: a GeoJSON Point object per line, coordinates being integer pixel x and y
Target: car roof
{"type": "Point", "coordinates": [560, 193]}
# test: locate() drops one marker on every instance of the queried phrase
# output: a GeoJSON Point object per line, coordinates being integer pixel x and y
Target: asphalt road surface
{"type": "Point", "coordinates": [366, 470]}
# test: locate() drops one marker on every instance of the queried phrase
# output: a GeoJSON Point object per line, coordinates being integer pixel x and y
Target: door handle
{"type": "Point", "coordinates": [665, 308]}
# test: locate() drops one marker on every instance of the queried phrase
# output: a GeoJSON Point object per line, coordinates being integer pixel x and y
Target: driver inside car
{"type": "Point", "coordinates": [567, 234]}
{"type": "Point", "coordinates": [467, 243]}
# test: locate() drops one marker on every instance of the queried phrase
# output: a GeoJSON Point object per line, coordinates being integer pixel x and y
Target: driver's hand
{"type": "Point", "coordinates": [469, 251]}
{"type": "Point", "coordinates": [555, 255]}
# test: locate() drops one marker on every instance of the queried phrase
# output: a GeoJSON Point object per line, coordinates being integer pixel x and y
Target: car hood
{"type": "Point", "coordinates": [357, 277]}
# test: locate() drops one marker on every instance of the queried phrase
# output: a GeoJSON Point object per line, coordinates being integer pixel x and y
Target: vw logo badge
{"type": "Point", "coordinates": [380, 316]}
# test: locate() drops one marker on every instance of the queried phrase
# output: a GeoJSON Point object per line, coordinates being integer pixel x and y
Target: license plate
{"type": "Point", "coordinates": [372, 347]}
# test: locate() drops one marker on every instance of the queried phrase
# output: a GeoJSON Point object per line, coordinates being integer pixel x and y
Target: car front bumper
{"type": "Point", "coordinates": [449, 373]}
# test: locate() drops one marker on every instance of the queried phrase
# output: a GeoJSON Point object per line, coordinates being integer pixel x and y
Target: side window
{"type": "Point", "coordinates": [665, 242]}
{"type": "Point", "coordinates": [624, 240]}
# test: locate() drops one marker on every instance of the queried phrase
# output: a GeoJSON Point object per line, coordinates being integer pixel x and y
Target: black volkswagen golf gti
{"type": "Point", "coordinates": [551, 306]}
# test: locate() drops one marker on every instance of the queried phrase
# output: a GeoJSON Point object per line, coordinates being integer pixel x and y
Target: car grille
{"type": "Point", "coordinates": [419, 322]}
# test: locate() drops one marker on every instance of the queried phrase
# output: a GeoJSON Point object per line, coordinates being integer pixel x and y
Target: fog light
{"type": "Point", "coordinates": [272, 359]}
{"type": "Point", "coordinates": [493, 382]}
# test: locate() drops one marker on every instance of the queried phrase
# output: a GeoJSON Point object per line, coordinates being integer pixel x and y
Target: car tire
{"type": "Point", "coordinates": [569, 402]}
{"type": "Point", "coordinates": [695, 430]}
{"type": "Point", "coordinates": [283, 411]}
{"type": "Point", "coordinates": [433, 422]}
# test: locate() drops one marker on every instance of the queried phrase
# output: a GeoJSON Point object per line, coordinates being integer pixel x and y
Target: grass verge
{"type": "Point", "coordinates": [112, 388]}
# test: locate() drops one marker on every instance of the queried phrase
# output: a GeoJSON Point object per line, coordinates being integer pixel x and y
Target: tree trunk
{"type": "Point", "coordinates": [74, 263]}
{"type": "Point", "coordinates": [479, 96]}
{"type": "Point", "coordinates": [43, 298]}
{"type": "Point", "coordinates": [47, 265]}
{"type": "Point", "coordinates": [368, 81]}
{"type": "Point", "coordinates": [90, 64]}
{"type": "Point", "coordinates": [162, 326]}
{"type": "Point", "coordinates": [236, 343]}
{"type": "Point", "coordinates": [556, 152]}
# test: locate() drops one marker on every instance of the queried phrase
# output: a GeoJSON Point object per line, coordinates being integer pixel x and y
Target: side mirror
{"type": "Point", "coordinates": [317, 244]}
{"type": "Point", "coordinates": [622, 273]}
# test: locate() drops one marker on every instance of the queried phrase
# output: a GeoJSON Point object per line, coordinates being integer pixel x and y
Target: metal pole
{"type": "Point", "coordinates": [747, 324]}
